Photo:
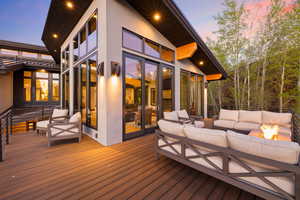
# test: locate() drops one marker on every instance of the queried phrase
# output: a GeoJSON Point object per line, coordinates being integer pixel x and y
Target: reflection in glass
{"type": "Point", "coordinates": [75, 49]}
{"type": "Point", "coordinates": [66, 90]}
{"type": "Point", "coordinates": [77, 97]}
{"type": "Point", "coordinates": [184, 90]}
{"type": "Point", "coordinates": [83, 42]}
{"type": "Point", "coordinates": [27, 74]}
{"type": "Point", "coordinates": [167, 55]}
{"type": "Point", "coordinates": [152, 49]}
{"type": "Point", "coordinates": [27, 89]}
{"type": "Point", "coordinates": [167, 87]}
{"type": "Point", "coordinates": [133, 95]}
{"type": "Point", "coordinates": [92, 33]}
{"type": "Point", "coordinates": [132, 41]}
{"type": "Point", "coordinates": [93, 92]}
{"type": "Point", "coordinates": [83, 92]}
{"type": "Point", "coordinates": [42, 75]}
{"type": "Point", "coordinates": [151, 95]}
{"type": "Point", "coordinates": [55, 90]}
{"type": "Point", "coordinates": [196, 84]}
{"type": "Point", "coordinates": [42, 91]}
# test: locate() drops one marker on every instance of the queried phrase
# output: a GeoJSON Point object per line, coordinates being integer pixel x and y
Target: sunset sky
{"type": "Point", "coordinates": [23, 20]}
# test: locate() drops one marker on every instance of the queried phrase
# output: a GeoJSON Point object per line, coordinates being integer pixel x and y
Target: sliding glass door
{"type": "Point", "coordinates": [148, 86]}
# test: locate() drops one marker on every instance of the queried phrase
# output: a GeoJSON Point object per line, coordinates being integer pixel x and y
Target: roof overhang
{"type": "Point", "coordinates": [18, 46]}
{"type": "Point", "coordinates": [173, 25]}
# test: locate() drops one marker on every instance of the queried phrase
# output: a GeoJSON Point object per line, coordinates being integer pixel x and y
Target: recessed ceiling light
{"type": "Point", "coordinates": [69, 4]}
{"type": "Point", "coordinates": [201, 63]}
{"type": "Point", "coordinates": [54, 50]}
{"type": "Point", "coordinates": [55, 35]}
{"type": "Point", "coordinates": [156, 16]}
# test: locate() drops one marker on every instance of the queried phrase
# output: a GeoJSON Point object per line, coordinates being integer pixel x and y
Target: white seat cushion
{"type": "Point", "coordinates": [246, 126]}
{"type": "Point", "coordinates": [199, 124]}
{"type": "Point", "coordinates": [210, 136]}
{"type": "Point", "coordinates": [232, 115]}
{"type": "Point", "coordinates": [250, 116]}
{"type": "Point", "coordinates": [64, 133]}
{"type": "Point", "coordinates": [284, 183]}
{"type": "Point", "coordinates": [224, 123]}
{"type": "Point", "coordinates": [215, 159]}
{"type": "Point", "coordinates": [183, 114]}
{"type": "Point", "coordinates": [60, 113]}
{"type": "Point", "coordinates": [283, 151]}
{"type": "Point", "coordinates": [280, 119]}
{"type": "Point", "coordinates": [171, 116]}
{"type": "Point", "coordinates": [42, 124]}
{"type": "Point", "coordinates": [171, 128]}
{"type": "Point", "coordinates": [75, 118]}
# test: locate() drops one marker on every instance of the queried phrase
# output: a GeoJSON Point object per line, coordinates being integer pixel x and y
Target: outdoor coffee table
{"type": "Point", "coordinates": [259, 133]}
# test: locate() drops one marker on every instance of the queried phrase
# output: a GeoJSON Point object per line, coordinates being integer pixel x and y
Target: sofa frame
{"type": "Point", "coordinates": [57, 136]}
{"type": "Point", "coordinates": [227, 154]}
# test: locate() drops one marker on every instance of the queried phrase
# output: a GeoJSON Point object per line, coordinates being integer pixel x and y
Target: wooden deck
{"type": "Point", "coordinates": [91, 171]}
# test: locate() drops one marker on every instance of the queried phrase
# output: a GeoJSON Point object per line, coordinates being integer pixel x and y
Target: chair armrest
{"type": "Point", "coordinates": [178, 122]}
{"type": "Point", "coordinates": [63, 123]}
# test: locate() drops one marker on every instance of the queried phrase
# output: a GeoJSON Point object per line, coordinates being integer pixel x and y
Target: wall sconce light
{"type": "Point", "coordinates": [100, 69]}
{"type": "Point", "coordinates": [115, 68]}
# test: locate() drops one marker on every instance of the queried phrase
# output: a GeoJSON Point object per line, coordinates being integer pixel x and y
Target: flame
{"type": "Point", "coordinates": [269, 131]}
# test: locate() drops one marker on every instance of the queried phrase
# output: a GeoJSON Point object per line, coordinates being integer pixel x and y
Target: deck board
{"type": "Point", "coordinates": [88, 170]}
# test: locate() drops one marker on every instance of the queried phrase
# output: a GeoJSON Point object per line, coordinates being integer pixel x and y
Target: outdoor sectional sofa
{"type": "Point", "coordinates": [266, 168]}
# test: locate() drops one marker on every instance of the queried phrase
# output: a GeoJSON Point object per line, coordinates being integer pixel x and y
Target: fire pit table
{"type": "Point", "coordinates": [259, 133]}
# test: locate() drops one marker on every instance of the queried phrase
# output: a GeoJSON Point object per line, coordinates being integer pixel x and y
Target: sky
{"type": "Point", "coordinates": [23, 20]}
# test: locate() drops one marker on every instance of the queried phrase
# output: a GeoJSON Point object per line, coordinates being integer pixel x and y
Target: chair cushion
{"type": "Point", "coordinates": [283, 151]}
{"type": "Point", "coordinates": [171, 116]}
{"type": "Point", "coordinates": [246, 126]}
{"type": "Point", "coordinates": [171, 128]}
{"type": "Point", "coordinates": [65, 127]}
{"type": "Point", "coordinates": [42, 124]}
{"type": "Point", "coordinates": [284, 183]}
{"type": "Point", "coordinates": [183, 114]}
{"type": "Point", "coordinates": [210, 136]}
{"type": "Point", "coordinates": [75, 118]}
{"type": "Point", "coordinates": [199, 124]}
{"type": "Point", "coordinates": [232, 115]}
{"type": "Point", "coordinates": [281, 119]}
{"type": "Point", "coordinates": [250, 116]}
{"type": "Point", "coordinates": [60, 113]}
{"type": "Point", "coordinates": [224, 123]}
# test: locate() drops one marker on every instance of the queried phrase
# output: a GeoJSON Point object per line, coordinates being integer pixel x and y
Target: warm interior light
{"type": "Point", "coordinates": [156, 16]}
{"type": "Point", "coordinates": [269, 132]}
{"type": "Point", "coordinates": [69, 4]}
{"type": "Point", "coordinates": [55, 35]}
{"type": "Point", "coordinates": [201, 63]}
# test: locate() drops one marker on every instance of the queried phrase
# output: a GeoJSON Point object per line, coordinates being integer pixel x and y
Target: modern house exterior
{"type": "Point", "coordinates": [125, 62]}
{"type": "Point", "coordinates": [29, 77]}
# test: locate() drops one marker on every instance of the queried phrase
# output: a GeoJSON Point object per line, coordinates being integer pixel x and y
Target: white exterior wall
{"type": "Point", "coordinates": [6, 91]}
{"type": "Point", "coordinates": [113, 16]}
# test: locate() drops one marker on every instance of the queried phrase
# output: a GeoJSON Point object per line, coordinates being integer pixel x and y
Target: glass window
{"type": "Point", "coordinates": [29, 54]}
{"type": "Point", "coordinates": [27, 89]}
{"type": "Point", "coordinates": [55, 90]}
{"type": "Point", "coordinates": [75, 49]}
{"type": "Point", "coordinates": [184, 90]}
{"type": "Point", "coordinates": [133, 95]}
{"type": "Point", "coordinates": [167, 55]}
{"type": "Point", "coordinates": [27, 74]}
{"type": "Point", "coordinates": [83, 92]}
{"type": "Point", "coordinates": [67, 57]}
{"type": "Point", "coordinates": [45, 56]}
{"type": "Point", "coordinates": [93, 92]}
{"type": "Point", "coordinates": [92, 33]}
{"type": "Point", "coordinates": [152, 49]}
{"type": "Point", "coordinates": [42, 75]}
{"type": "Point", "coordinates": [55, 76]}
{"type": "Point", "coordinates": [66, 90]}
{"type": "Point", "coordinates": [132, 41]}
{"type": "Point", "coordinates": [82, 42]}
{"type": "Point", "coordinates": [63, 60]}
{"type": "Point", "coordinates": [9, 52]}
{"type": "Point", "coordinates": [167, 89]}
{"type": "Point", "coordinates": [42, 91]}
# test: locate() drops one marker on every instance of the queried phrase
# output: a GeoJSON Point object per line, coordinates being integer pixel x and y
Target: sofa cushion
{"type": "Point", "coordinates": [283, 151]}
{"type": "Point", "coordinates": [183, 114]}
{"type": "Point", "coordinates": [232, 115]}
{"type": "Point", "coordinates": [250, 116]}
{"type": "Point", "coordinates": [246, 126]}
{"type": "Point", "coordinates": [199, 124]}
{"type": "Point", "coordinates": [281, 119]}
{"type": "Point", "coordinates": [60, 113]}
{"type": "Point", "coordinates": [224, 123]}
{"type": "Point", "coordinates": [171, 128]}
{"type": "Point", "coordinates": [285, 183]}
{"type": "Point", "coordinates": [210, 136]}
{"type": "Point", "coordinates": [171, 116]}
{"type": "Point", "coordinates": [75, 118]}
{"type": "Point", "coordinates": [42, 124]}
{"type": "Point", "coordinates": [285, 131]}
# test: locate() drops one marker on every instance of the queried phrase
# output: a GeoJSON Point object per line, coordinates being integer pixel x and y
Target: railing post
{"type": "Point", "coordinates": [11, 122]}
{"type": "Point", "coordinates": [2, 145]}
{"type": "Point", "coordinates": [7, 130]}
